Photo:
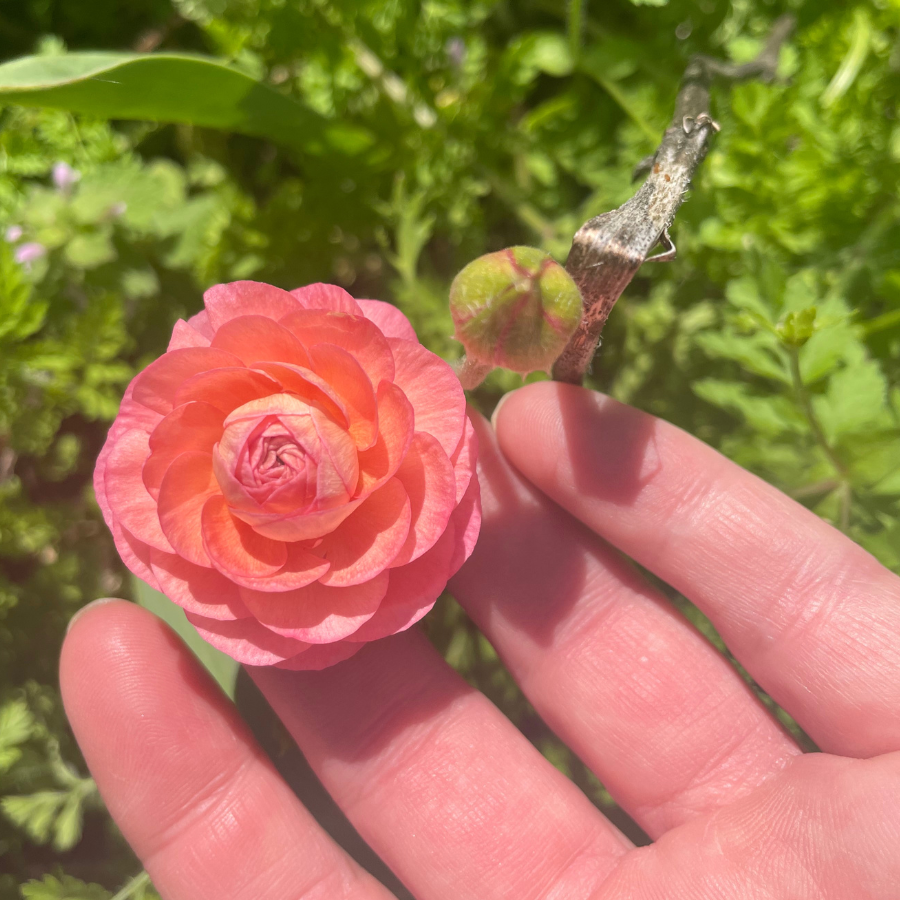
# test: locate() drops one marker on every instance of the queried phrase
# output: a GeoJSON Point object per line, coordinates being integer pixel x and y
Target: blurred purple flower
{"type": "Point", "coordinates": [118, 209]}
{"type": "Point", "coordinates": [13, 234]}
{"type": "Point", "coordinates": [26, 254]}
{"type": "Point", "coordinates": [456, 50]}
{"type": "Point", "coordinates": [64, 176]}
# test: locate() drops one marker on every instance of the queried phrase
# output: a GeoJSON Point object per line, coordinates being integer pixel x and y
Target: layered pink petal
{"type": "Point", "coordinates": [390, 321]}
{"type": "Point", "coordinates": [200, 322]}
{"type": "Point", "coordinates": [302, 568]}
{"type": "Point", "coordinates": [226, 388]}
{"type": "Point", "coordinates": [135, 554]}
{"type": "Point", "coordinates": [302, 527]}
{"type": "Point", "coordinates": [463, 459]}
{"type": "Point", "coordinates": [355, 334]}
{"type": "Point", "coordinates": [318, 614]}
{"type": "Point", "coordinates": [187, 485]}
{"type": "Point", "coordinates": [158, 384]}
{"type": "Point", "coordinates": [307, 385]}
{"type": "Point", "coordinates": [428, 478]}
{"type": "Point", "coordinates": [128, 499]}
{"type": "Point", "coordinates": [326, 296]}
{"type": "Point", "coordinates": [413, 590]}
{"type": "Point", "coordinates": [466, 519]}
{"type": "Point", "coordinates": [197, 589]}
{"type": "Point", "coordinates": [395, 433]}
{"type": "Point", "coordinates": [369, 540]}
{"type": "Point", "coordinates": [194, 426]}
{"type": "Point", "coordinates": [320, 656]}
{"type": "Point", "coordinates": [225, 302]}
{"type": "Point", "coordinates": [246, 640]}
{"type": "Point", "coordinates": [256, 339]}
{"type": "Point", "coordinates": [234, 547]}
{"type": "Point", "coordinates": [185, 335]}
{"type": "Point", "coordinates": [434, 391]}
{"type": "Point", "coordinates": [337, 368]}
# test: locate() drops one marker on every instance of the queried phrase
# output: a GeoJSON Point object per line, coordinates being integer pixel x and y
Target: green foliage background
{"type": "Point", "coordinates": [444, 129]}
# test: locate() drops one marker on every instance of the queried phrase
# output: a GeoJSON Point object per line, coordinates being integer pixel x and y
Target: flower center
{"type": "Point", "coordinates": [272, 459]}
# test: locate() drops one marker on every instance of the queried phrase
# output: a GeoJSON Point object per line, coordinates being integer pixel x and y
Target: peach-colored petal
{"type": "Point", "coordinates": [135, 554]}
{"type": "Point", "coordinates": [466, 519]}
{"type": "Point", "coordinates": [320, 656]}
{"type": "Point", "coordinates": [200, 322]}
{"type": "Point", "coordinates": [185, 335]}
{"type": "Point", "coordinates": [158, 384]}
{"type": "Point", "coordinates": [197, 589]}
{"type": "Point", "coordinates": [193, 426]}
{"type": "Point", "coordinates": [234, 547]}
{"type": "Point", "coordinates": [345, 376]}
{"type": "Point", "coordinates": [463, 459]}
{"type": "Point", "coordinates": [246, 640]}
{"type": "Point", "coordinates": [255, 339]}
{"type": "Point", "coordinates": [307, 385]}
{"type": "Point", "coordinates": [326, 296]}
{"type": "Point", "coordinates": [395, 433]}
{"type": "Point", "coordinates": [301, 569]}
{"type": "Point", "coordinates": [434, 391]}
{"type": "Point", "coordinates": [226, 388]}
{"type": "Point", "coordinates": [369, 540]}
{"type": "Point", "coordinates": [304, 527]}
{"type": "Point", "coordinates": [129, 501]}
{"type": "Point", "coordinates": [225, 302]}
{"type": "Point", "coordinates": [390, 321]}
{"type": "Point", "coordinates": [412, 591]}
{"type": "Point", "coordinates": [355, 334]}
{"type": "Point", "coordinates": [318, 614]}
{"type": "Point", "coordinates": [187, 485]}
{"type": "Point", "coordinates": [427, 477]}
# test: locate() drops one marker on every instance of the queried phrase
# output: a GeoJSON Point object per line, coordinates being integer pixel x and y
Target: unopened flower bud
{"type": "Point", "coordinates": [516, 308]}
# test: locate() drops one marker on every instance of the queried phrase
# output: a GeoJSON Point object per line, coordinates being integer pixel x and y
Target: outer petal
{"type": "Point", "coordinates": [320, 656]}
{"type": "Point", "coordinates": [303, 527]}
{"type": "Point", "coordinates": [464, 459]}
{"type": "Point", "coordinates": [326, 296]}
{"type": "Point", "coordinates": [225, 302]}
{"type": "Point", "coordinates": [227, 388]}
{"type": "Point", "coordinates": [412, 591]}
{"type": "Point", "coordinates": [194, 426]}
{"type": "Point", "coordinates": [257, 339]}
{"type": "Point", "coordinates": [246, 640]}
{"type": "Point", "coordinates": [395, 434]}
{"type": "Point", "coordinates": [185, 335]}
{"type": "Point", "coordinates": [355, 334]}
{"type": "Point", "coordinates": [158, 384]}
{"type": "Point", "coordinates": [466, 519]}
{"type": "Point", "coordinates": [390, 321]}
{"type": "Point", "coordinates": [197, 589]}
{"type": "Point", "coordinates": [369, 540]}
{"type": "Point", "coordinates": [345, 376]}
{"type": "Point", "coordinates": [135, 554]}
{"type": "Point", "coordinates": [236, 549]}
{"type": "Point", "coordinates": [318, 614]}
{"type": "Point", "coordinates": [128, 499]}
{"type": "Point", "coordinates": [307, 385]}
{"type": "Point", "coordinates": [301, 569]}
{"type": "Point", "coordinates": [200, 322]}
{"type": "Point", "coordinates": [434, 391]}
{"type": "Point", "coordinates": [187, 485]}
{"type": "Point", "coordinates": [427, 476]}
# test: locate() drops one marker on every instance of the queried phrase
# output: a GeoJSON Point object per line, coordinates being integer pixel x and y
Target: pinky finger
{"type": "Point", "coordinates": [192, 792]}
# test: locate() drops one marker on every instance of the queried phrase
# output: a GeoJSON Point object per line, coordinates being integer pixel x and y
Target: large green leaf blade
{"type": "Point", "coordinates": [163, 87]}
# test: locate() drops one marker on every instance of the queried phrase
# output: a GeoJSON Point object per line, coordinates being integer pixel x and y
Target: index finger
{"type": "Point", "coordinates": [811, 615]}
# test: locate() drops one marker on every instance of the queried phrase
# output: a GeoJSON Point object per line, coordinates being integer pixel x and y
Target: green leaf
{"type": "Point", "coordinates": [16, 726]}
{"type": "Point", "coordinates": [854, 399]}
{"type": "Point", "coordinates": [164, 87]}
{"type": "Point", "coordinates": [223, 668]}
{"type": "Point", "coordinates": [63, 888]}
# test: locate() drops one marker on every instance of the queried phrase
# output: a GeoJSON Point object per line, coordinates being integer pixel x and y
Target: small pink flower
{"type": "Point", "coordinates": [65, 177]}
{"type": "Point", "coordinates": [13, 234]}
{"type": "Point", "coordinates": [296, 472]}
{"type": "Point", "coordinates": [30, 252]}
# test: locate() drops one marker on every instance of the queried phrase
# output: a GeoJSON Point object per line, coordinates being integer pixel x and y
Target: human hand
{"type": "Point", "coordinates": [452, 796]}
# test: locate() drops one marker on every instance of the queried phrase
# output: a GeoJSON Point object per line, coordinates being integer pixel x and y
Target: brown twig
{"type": "Point", "coordinates": [608, 250]}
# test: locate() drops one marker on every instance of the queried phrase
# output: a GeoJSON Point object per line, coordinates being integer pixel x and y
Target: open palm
{"type": "Point", "coordinates": [452, 796]}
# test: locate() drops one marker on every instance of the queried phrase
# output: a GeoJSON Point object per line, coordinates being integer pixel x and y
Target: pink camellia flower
{"type": "Point", "coordinates": [296, 472]}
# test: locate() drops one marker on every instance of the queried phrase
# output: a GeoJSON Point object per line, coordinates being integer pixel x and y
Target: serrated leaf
{"type": "Point", "coordinates": [772, 415]}
{"type": "Point", "coordinates": [854, 400]}
{"type": "Point", "coordinates": [163, 87]}
{"type": "Point", "coordinates": [63, 888]}
{"type": "Point", "coordinates": [35, 813]}
{"type": "Point", "coordinates": [757, 353]}
{"type": "Point", "coordinates": [16, 727]}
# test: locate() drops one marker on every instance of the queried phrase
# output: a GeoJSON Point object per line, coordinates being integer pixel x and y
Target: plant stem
{"type": "Point", "coordinates": [138, 883]}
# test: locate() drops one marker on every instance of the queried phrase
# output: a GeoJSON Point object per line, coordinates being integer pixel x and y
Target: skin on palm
{"type": "Point", "coordinates": [441, 784]}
